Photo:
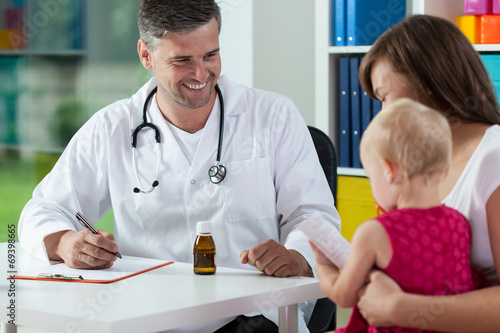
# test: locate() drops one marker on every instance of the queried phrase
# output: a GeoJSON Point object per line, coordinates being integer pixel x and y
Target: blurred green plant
{"type": "Point", "coordinates": [68, 117]}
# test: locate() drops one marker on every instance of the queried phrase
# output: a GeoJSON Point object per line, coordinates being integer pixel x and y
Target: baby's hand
{"type": "Point", "coordinates": [320, 257]}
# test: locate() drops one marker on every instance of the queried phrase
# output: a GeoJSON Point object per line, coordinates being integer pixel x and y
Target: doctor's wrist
{"type": "Point", "coordinates": [54, 244]}
{"type": "Point", "coordinates": [303, 266]}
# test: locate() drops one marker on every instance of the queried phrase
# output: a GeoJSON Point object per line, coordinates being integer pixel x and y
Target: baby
{"type": "Point", "coordinates": [421, 243]}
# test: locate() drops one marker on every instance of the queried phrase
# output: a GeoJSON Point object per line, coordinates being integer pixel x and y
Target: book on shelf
{"type": "Point", "coordinates": [344, 114]}
{"type": "Point", "coordinates": [355, 110]}
{"type": "Point", "coordinates": [478, 7]}
{"type": "Point", "coordinates": [361, 22]}
{"type": "Point", "coordinates": [492, 64]}
{"type": "Point", "coordinates": [337, 23]}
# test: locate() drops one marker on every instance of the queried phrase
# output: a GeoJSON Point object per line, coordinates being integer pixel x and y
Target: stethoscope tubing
{"type": "Point", "coordinates": [216, 173]}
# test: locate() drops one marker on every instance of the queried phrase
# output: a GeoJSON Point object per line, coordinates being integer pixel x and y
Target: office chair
{"type": "Point", "coordinates": [324, 315]}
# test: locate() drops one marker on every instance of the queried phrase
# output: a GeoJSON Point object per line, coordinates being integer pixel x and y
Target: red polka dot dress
{"type": "Point", "coordinates": [431, 250]}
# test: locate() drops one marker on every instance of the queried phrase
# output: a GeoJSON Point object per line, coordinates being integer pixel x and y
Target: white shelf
{"type": "Point", "coordinates": [351, 172]}
{"type": "Point", "coordinates": [348, 49]}
{"type": "Point", "coordinates": [487, 47]}
{"type": "Point", "coordinates": [342, 50]}
{"type": "Point", "coordinates": [24, 53]}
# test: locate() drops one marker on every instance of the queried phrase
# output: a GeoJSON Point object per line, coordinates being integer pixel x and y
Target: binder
{"type": "Point", "coordinates": [488, 27]}
{"type": "Point", "coordinates": [337, 23]}
{"type": "Point", "coordinates": [355, 111]}
{"type": "Point", "coordinates": [477, 7]}
{"type": "Point", "coordinates": [376, 107]}
{"type": "Point", "coordinates": [366, 110]}
{"type": "Point", "coordinates": [492, 64]}
{"type": "Point", "coordinates": [344, 114]}
{"type": "Point", "coordinates": [121, 269]}
{"type": "Point", "coordinates": [467, 24]}
{"type": "Point", "coordinates": [496, 7]}
{"type": "Point", "coordinates": [368, 19]}
{"type": "Point", "coordinates": [14, 17]}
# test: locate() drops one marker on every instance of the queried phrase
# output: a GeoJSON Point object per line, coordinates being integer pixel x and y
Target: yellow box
{"type": "Point", "coordinates": [468, 25]}
{"type": "Point", "coordinates": [12, 39]}
{"type": "Point", "coordinates": [4, 39]}
{"type": "Point", "coordinates": [355, 203]}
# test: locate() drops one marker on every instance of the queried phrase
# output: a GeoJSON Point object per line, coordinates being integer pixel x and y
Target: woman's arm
{"type": "Point", "coordinates": [384, 304]}
{"type": "Point", "coordinates": [369, 243]}
{"type": "Point", "coordinates": [493, 217]}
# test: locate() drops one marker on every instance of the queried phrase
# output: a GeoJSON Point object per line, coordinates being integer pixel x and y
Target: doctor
{"type": "Point", "coordinates": [204, 148]}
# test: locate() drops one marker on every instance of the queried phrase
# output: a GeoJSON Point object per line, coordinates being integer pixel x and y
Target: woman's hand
{"type": "Point", "coordinates": [378, 300]}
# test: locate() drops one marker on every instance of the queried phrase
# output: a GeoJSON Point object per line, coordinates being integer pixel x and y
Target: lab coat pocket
{"type": "Point", "coordinates": [250, 192]}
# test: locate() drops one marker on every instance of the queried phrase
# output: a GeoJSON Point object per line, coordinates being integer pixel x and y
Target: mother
{"type": "Point", "coordinates": [429, 59]}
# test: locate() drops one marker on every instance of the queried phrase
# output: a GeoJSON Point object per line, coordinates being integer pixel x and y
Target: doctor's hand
{"type": "Point", "coordinates": [275, 259]}
{"type": "Point", "coordinates": [82, 249]}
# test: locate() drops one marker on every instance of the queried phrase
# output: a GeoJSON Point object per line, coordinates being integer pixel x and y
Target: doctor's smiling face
{"type": "Point", "coordinates": [186, 66]}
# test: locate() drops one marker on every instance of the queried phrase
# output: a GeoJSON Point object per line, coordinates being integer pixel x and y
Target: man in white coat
{"type": "Point", "coordinates": [273, 178]}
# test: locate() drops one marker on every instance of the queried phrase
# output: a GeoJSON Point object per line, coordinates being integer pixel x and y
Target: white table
{"type": "Point", "coordinates": [165, 298]}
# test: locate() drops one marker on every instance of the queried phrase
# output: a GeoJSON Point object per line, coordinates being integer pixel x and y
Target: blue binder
{"type": "Point", "coordinates": [366, 107]}
{"type": "Point", "coordinates": [355, 111]}
{"type": "Point", "coordinates": [376, 107]}
{"type": "Point", "coordinates": [366, 110]}
{"type": "Point", "coordinates": [344, 114]}
{"type": "Point", "coordinates": [492, 64]}
{"type": "Point", "coordinates": [368, 19]}
{"type": "Point", "coordinates": [338, 22]}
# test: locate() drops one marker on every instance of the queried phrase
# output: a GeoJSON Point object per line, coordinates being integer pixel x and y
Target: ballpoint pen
{"type": "Point", "coordinates": [89, 226]}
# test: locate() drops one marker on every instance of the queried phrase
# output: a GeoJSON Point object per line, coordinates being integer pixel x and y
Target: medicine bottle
{"type": "Point", "coordinates": [204, 249]}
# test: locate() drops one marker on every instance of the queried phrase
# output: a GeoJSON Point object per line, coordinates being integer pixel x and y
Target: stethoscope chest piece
{"type": "Point", "coordinates": [217, 173]}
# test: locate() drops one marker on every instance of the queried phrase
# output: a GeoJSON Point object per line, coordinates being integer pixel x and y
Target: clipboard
{"type": "Point", "coordinates": [121, 269]}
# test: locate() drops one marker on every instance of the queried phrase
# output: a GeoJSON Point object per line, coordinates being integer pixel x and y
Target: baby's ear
{"type": "Point", "coordinates": [391, 172]}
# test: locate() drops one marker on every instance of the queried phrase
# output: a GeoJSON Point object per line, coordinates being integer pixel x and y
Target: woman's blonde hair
{"type": "Point", "coordinates": [411, 136]}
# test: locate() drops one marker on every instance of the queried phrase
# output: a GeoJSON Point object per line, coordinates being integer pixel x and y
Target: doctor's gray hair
{"type": "Point", "coordinates": [157, 17]}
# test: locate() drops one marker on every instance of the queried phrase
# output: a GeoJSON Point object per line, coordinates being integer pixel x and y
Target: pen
{"type": "Point", "coordinates": [89, 226]}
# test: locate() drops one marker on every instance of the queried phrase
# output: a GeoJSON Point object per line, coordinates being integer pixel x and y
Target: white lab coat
{"type": "Point", "coordinates": [274, 180]}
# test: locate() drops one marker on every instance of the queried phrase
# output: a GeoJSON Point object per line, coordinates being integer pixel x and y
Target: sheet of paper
{"type": "Point", "coordinates": [121, 268]}
{"type": "Point", "coordinates": [327, 238]}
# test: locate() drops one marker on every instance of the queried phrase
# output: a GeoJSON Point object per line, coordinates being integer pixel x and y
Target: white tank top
{"type": "Point", "coordinates": [480, 178]}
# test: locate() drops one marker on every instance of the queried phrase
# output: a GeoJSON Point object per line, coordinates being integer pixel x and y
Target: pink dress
{"type": "Point", "coordinates": [431, 250]}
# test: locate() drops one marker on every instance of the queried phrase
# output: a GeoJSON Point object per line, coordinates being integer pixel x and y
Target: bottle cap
{"type": "Point", "coordinates": [204, 227]}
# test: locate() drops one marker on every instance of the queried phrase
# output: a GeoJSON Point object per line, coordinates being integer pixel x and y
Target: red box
{"type": "Point", "coordinates": [488, 29]}
{"type": "Point", "coordinates": [14, 18]}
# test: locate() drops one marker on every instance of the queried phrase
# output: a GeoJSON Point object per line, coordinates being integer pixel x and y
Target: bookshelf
{"type": "Point", "coordinates": [355, 203]}
{"type": "Point", "coordinates": [42, 51]}
{"type": "Point", "coordinates": [326, 61]}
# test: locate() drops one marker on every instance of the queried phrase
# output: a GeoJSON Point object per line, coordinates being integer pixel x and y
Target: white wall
{"type": "Point", "coordinates": [236, 40]}
{"type": "Point", "coordinates": [269, 44]}
{"type": "Point", "coordinates": [284, 50]}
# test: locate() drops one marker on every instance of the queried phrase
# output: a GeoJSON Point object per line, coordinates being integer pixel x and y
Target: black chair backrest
{"type": "Point", "coordinates": [327, 157]}
{"type": "Point", "coordinates": [324, 315]}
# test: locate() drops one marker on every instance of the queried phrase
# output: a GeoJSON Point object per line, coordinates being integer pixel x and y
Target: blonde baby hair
{"type": "Point", "coordinates": [411, 136]}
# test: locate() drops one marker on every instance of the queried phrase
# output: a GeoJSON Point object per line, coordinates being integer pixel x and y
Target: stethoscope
{"type": "Point", "coordinates": [216, 173]}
